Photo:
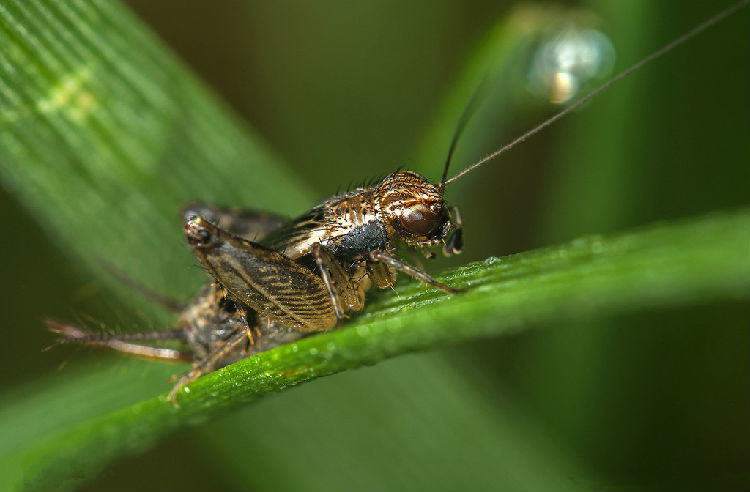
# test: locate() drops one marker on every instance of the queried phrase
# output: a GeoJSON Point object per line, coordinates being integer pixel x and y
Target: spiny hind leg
{"type": "Point", "coordinates": [396, 264]}
{"type": "Point", "coordinates": [210, 362]}
{"type": "Point", "coordinates": [123, 342]}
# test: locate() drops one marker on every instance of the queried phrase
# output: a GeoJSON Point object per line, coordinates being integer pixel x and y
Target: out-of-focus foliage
{"type": "Point", "coordinates": [656, 400]}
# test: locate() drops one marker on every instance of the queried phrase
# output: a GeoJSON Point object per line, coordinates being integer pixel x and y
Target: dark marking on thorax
{"type": "Point", "coordinates": [359, 241]}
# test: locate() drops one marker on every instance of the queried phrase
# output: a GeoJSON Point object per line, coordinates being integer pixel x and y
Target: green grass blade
{"type": "Point", "coordinates": [665, 265]}
{"type": "Point", "coordinates": [105, 136]}
{"type": "Point", "coordinates": [417, 412]}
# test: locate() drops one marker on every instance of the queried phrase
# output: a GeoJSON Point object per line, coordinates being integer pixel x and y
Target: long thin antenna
{"type": "Point", "coordinates": [656, 54]}
{"type": "Point", "coordinates": [468, 110]}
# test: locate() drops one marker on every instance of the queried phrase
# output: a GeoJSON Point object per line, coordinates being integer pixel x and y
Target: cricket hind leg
{"type": "Point", "coordinates": [211, 362]}
{"type": "Point", "coordinates": [71, 334]}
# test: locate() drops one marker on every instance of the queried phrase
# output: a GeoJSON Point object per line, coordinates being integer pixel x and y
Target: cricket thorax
{"type": "Point", "coordinates": [403, 207]}
{"type": "Point", "coordinates": [349, 225]}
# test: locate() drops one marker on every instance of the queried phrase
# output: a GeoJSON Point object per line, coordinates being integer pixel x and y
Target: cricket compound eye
{"type": "Point", "coordinates": [197, 231]}
{"type": "Point", "coordinates": [419, 219]}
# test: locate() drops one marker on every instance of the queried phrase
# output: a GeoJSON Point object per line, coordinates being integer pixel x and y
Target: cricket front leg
{"type": "Point", "coordinates": [398, 265]}
{"type": "Point", "coordinates": [455, 242]}
{"type": "Point", "coordinates": [344, 295]}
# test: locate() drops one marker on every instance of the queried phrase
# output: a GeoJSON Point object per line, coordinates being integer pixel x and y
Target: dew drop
{"type": "Point", "coordinates": [567, 61]}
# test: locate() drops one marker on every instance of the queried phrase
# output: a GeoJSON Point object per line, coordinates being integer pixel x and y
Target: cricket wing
{"type": "Point", "coordinates": [249, 224]}
{"type": "Point", "coordinates": [261, 278]}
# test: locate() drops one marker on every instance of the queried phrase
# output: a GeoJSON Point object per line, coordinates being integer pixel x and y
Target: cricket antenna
{"type": "Point", "coordinates": [468, 111]}
{"type": "Point", "coordinates": [656, 54]}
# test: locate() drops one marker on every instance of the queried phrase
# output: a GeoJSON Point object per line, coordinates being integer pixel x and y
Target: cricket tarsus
{"type": "Point", "coordinates": [656, 54]}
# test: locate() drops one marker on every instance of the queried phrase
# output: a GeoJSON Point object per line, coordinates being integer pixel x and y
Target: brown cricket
{"type": "Point", "coordinates": [276, 280]}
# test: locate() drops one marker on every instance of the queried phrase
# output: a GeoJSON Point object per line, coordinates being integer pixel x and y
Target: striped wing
{"type": "Point", "coordinates": [263, 279]}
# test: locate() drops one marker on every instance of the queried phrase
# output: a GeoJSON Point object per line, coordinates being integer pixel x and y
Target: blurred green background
{"type": "Point", "coordinates": [344, 91]}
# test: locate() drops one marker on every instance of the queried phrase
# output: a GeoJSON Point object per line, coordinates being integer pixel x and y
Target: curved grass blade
{"type": "Point", "coordinates": [666, 265]}
{"type": "Point", "coordinates": [105, 135]}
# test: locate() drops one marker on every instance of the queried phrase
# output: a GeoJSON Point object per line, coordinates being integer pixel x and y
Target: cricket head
{"type": "Point", "coordinates": [416, 212]}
